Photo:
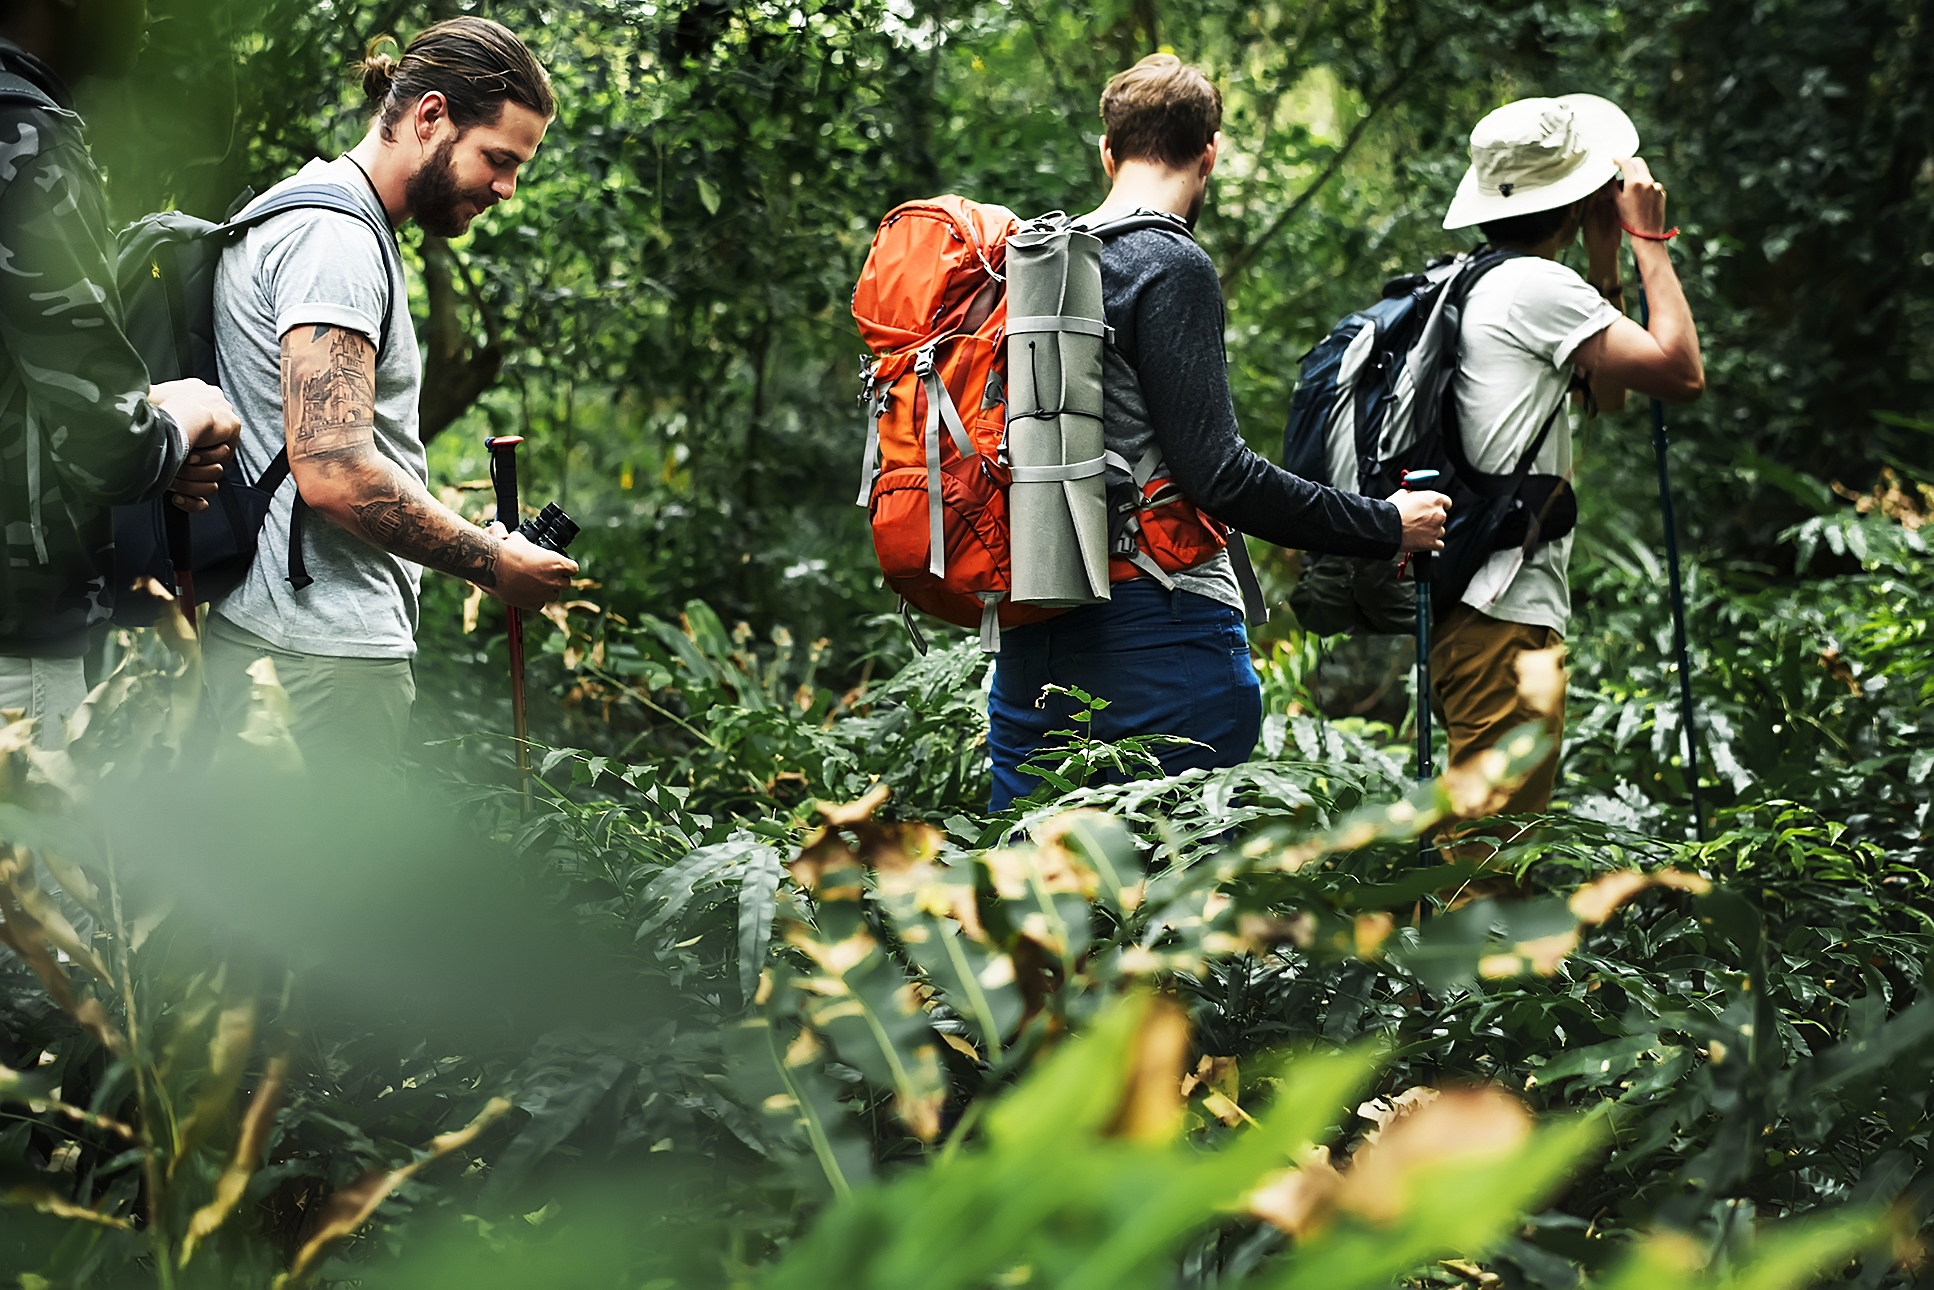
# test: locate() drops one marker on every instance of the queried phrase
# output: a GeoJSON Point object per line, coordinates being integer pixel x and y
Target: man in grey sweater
{"type": "Point", "coordinates": [1170, 655]}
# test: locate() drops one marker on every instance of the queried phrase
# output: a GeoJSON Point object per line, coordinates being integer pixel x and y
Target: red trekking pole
{"type": "Point", "coordinates": [503, 474]}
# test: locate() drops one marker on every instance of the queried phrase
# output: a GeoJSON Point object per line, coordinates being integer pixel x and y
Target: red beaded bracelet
{"type": "Point", "coordinates": [1666, 236]}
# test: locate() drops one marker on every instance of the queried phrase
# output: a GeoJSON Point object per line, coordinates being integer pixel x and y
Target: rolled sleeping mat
{"type": "Point", "coordinates": [1058, 502]}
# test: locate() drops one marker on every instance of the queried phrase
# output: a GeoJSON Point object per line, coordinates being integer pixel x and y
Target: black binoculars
{"type": "Point", "coordinates": [550, 528]}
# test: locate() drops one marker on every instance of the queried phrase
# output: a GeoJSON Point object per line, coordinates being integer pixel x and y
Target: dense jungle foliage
{"type": "Point", "coordinates": [754, 992]}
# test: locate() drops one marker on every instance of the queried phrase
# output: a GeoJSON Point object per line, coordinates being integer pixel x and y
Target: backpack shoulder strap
{"type": "Point", "coordinates": [15, 88]}
{"type": "Point", "coordinates": [327, 197]}
{"type": "Point", "coordinates": [1483, 260]}
{"type": "Point", "coordinates": [1135, 221]}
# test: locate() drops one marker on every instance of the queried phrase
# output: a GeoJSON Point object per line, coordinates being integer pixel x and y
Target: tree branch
{"type": "Point", "coordinates": [1246, 256]}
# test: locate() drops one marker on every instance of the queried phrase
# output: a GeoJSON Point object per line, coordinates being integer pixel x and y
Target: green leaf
{"type": "Point", "coordinates": [764, 865]}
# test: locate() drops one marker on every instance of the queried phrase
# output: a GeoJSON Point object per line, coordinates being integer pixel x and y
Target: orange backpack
{"type": "Point", "coordinates": [931, 304]}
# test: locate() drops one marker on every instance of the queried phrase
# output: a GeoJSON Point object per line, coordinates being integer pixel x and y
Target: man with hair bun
{"type": "Point", "coordinates": [1174, 660]}
{"type": "Point", "coordinates": [81, 429]}
{"type": "Point", "coordinates": [317, 349]}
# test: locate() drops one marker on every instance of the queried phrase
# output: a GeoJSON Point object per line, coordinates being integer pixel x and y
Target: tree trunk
{"type": "Point", "coordinates": [458, 370]}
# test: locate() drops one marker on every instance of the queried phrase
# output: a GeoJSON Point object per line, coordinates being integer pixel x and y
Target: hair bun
{"type": "Point", "coordinates": [379, 70]}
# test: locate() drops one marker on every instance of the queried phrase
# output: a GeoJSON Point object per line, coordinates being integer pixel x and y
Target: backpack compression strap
{"type": "Point", "coordinates": [329, 197]}
{"type": "Point", "coordinates": [1151, 466]}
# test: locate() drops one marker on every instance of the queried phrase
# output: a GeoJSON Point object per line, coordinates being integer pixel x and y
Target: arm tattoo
{"type": "Point", "coordinates": [414, 531]}
{"type": "Point", "coordinates": [328, 392]}
{"type": "Point", "coordinates": [328, 406]}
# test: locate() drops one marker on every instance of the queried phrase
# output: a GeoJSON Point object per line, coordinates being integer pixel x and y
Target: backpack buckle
{"type": "Point", "coordinates": [923, 362]}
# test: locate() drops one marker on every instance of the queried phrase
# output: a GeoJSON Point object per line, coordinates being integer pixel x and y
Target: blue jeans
{"type": "Point", "coordinates": [1168, 662]}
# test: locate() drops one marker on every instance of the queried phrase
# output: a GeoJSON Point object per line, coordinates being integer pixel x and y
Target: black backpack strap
{"type": "Point", "coordinates": [328, 197]}
{"type": "Point", "coordinates": [1135, 221]}
{"type": "Point", "coordinates": [270, 480]}
{"type": "Point", "coordinates": [1483, 260]}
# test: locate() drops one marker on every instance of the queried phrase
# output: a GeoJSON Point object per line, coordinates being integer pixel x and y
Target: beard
{"type": "Point", "coordinates": [434, 197]}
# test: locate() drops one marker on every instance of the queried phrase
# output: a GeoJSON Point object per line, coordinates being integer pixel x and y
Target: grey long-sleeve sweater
{"type": "Point", "coordinates": [1165, 380]}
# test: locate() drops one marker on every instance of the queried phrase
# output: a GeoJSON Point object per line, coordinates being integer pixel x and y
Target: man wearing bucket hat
{"type": "Point", "coordinates": [1543, 170]}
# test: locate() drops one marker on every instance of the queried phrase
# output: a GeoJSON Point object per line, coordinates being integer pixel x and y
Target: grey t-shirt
{"type": "Point", "coordinates": [308, 267]}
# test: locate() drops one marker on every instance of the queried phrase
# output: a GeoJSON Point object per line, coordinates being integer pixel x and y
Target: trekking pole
{"type": "Point", "coordinates": [181, 555]}
{"type": "Point", "coordinates": [1420, 571]}
{"type": "Point", "coordinates": [503, 474]}
{"type": "Point", "coordinates": [1678, 593]}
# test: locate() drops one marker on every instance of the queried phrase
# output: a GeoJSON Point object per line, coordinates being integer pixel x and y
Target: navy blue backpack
{"type": "Point", "coordinates": [1373, 401]}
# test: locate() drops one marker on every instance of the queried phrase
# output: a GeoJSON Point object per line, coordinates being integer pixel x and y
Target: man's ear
{"type": "Point", "coordinates": [429, 113]}
{"type": "Point", "coordinates": [1209, 154]}
{"type": "Point", "coordinates": [1107, 157]}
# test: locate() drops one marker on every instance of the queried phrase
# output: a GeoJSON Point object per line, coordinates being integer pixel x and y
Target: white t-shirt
{"type": "Point", "coordinates": [1522, 323]}
{"type": "Point", "coordinates": [319, 266]}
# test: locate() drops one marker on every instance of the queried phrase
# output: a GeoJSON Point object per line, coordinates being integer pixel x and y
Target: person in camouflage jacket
{"type": "Point", "coordinates": [81, 429]}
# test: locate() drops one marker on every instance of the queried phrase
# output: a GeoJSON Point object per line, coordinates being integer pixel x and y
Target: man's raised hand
{"type": "Point", "coordinates": [1423, 515]}
{"type": "Point", "coordinates": [1641, 199]}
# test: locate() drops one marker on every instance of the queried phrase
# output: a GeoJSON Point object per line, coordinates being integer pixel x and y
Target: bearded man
{"type": "Point", "coordinates": [317, 351]}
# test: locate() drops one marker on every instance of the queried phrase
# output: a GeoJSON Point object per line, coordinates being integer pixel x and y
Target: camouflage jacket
{"type": "Point", "coordinates": [77, 433]}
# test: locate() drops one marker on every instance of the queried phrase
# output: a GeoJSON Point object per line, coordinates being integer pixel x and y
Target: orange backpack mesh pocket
{"type": "Point", "coordinates": [1170, 534]}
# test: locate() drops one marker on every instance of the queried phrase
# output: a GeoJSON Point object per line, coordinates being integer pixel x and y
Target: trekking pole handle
{"type": "Point", "coordinates": [503, 475]}
{"type": "Point", "coordinates": [1412, 481]}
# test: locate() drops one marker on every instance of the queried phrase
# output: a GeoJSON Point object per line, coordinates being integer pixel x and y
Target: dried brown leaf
{"type": "Point", "coordinates": [1299, 1201]}
{"type": "Point", "coordinates": [1600, 898]}
{"type": "Point", "coordinates": [242, 1164]}
{"type": "Point", "coordinates": [1455, 1126]}
{"type": "Point", "coordinates": [841, 814]}
{"type": "Point", "coordinates": [350, 1208]}
{"type": "Point", "coordinates": [1541, 679]}
{"type": "Point", "coordinates": [48, 1202]}
{"type": "Point", "coordinates": [1151, 1103]}
{"type": "Point", "coordinates": [10, 1090]}
{"type": "Point", "coordinates": [228, 1053]}
{"type": "Point", "coordinates": [24, 934]}
{"type": "Point", "coordinates": [1371, 931]}
{"type": "Point", "coordinates": [53, 924]}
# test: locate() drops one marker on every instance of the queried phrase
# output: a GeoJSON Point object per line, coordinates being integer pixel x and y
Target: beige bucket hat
{"type": "Point", "coordinates": [1535, 154]}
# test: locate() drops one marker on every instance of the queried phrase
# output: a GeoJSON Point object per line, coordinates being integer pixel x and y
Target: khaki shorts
{"type": "Point", "coordinates": [348, 713]}
{"type": "Point", "coordinates": [1474, 690]}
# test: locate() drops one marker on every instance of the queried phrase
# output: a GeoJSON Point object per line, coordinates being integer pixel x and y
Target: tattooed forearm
{"type": "Point", "coordinates": [328, 388]}
{"type": "Point", "coordinates": [419, 530]}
